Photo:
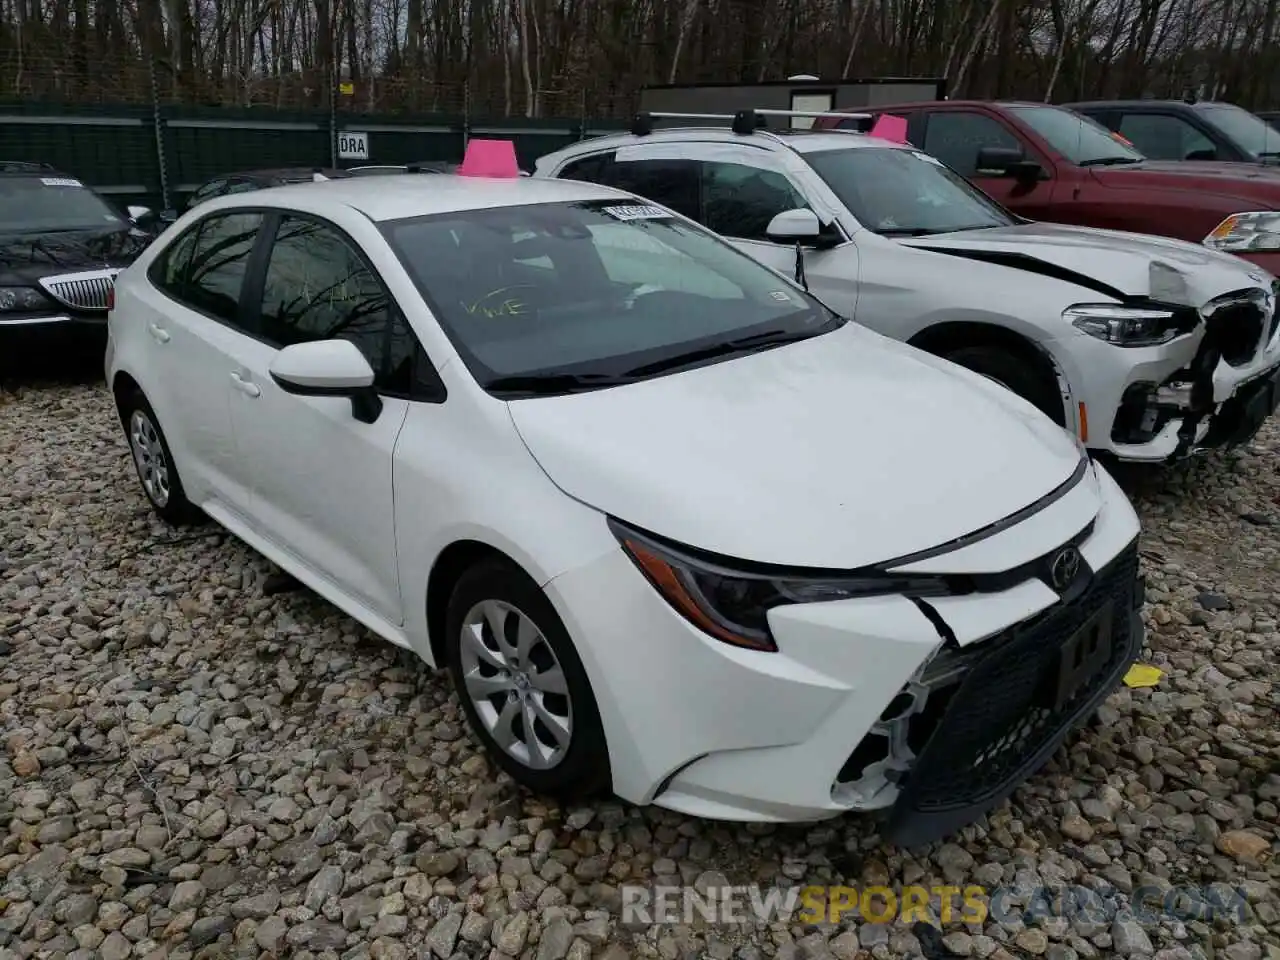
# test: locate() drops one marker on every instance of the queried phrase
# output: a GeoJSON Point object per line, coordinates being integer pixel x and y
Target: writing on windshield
{"type": "Point", "coordinates": [565, 294]}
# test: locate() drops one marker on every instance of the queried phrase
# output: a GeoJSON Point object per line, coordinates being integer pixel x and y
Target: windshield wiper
{"type": "Point", "coordinates": [910, 231]}
{"type": "Point", "coordinates": [1108, 161]}
{"type": "Point", "coordinates": [768, 338]}
{"type": "Point", "coordinates": [545, 384]}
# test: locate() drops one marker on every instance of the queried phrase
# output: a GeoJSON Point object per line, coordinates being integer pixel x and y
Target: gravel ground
{"type": "Point", "coordinates": [191, 768]}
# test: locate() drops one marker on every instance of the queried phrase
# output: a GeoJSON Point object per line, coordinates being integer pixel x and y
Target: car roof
{"type": "Point", "coordinates": [30, 168]}
{"type": "Point", "coordinates": [801, 141]}
{"type": "Point", "coordinates": [935, 104]}
{"type": "Point", "coordinates": [1125, 104]}
{"type": "Point", "coordinates": [382, 199]}
{"type": "Point", "coordinates": [284, 173]}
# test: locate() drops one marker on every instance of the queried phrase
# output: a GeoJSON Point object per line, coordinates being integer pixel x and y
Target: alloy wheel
{"type": "Point", "coordinates": [148, 456]}
{"type": "Point", "coordinates": [516, 684]}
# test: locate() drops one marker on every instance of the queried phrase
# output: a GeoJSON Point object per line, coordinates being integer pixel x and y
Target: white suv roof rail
{"type": "Point", "coordinates": [743, 122]}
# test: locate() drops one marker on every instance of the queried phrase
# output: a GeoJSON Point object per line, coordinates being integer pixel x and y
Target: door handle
{"type": "Point", "coordinates": [160, 334]}
{"type": "Point", "coordinates": [245, 387]}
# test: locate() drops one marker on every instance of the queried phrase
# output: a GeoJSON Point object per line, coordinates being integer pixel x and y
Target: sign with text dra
{"type": "Point", "coordinates": [352, 145]}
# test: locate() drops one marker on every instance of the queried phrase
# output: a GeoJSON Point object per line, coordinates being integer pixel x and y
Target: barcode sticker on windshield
{"type": "Point", "coordinates": [60, 182]}
{"type": "Point", "coordinates": [637, 211]}
{"type": "Point", "coordinates": [926, 158]}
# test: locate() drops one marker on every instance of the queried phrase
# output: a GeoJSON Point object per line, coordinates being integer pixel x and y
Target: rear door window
{"type": "Point", "coordinates": [214, 278]}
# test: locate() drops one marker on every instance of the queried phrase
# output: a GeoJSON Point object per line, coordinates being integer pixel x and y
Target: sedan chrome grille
{"type": "Point", "coordinates": [81, 291]}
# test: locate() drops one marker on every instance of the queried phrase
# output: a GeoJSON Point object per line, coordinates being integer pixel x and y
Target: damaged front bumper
{"type": "Point", "coordinates": [1210, 389]}
{"type": "Point", "coordinates": [927, 711]}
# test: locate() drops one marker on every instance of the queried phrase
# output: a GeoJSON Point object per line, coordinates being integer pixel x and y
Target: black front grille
{"type": "Point", "coordinates": [1236, 327]}
{"type": "Point", "coordinates": [1002, 721]}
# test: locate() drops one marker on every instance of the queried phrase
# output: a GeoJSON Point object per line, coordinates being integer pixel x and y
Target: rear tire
{"type": "Point", "coordinates": [157, 473]}
{"type": "Point", "coordinates": [1014, 374]}
{"type": "Point", "coordinates": [522, 684]}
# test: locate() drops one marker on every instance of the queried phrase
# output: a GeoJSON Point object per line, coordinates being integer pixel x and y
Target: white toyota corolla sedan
{"type": "Point", "coordinates": [675, 529]}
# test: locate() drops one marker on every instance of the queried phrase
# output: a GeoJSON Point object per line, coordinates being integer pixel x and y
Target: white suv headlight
{"type": "Point", "coordinates": [1256, 232]}
{"type": "Point", "coordinates": [1124, 326]}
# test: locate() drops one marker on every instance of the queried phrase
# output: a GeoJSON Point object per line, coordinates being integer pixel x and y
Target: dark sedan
{"type": "Point", "coordinates": [61, 246]}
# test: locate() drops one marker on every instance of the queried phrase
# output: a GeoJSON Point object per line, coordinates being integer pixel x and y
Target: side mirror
{"type": "Point", "coordinates": [1007, 162]}
{"type": "Point", "coordinates": [794, 226]}
{"type": "Point", "coordinates": [1209, 154]}
{"type": "Point", "coordinates": [328, 368]}
{"type": "Point", "coordinates": [137, 214]}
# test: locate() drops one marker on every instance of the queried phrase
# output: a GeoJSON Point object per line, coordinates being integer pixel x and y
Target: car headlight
{"type": "Point", "coordinates": [1255, 232]}
{"type": "Point", "coordinates": [731, 602]}
{"type": "Point", "coordinates": [15, 299]}
{"type": "Point", "coordinates": [1125, 326]}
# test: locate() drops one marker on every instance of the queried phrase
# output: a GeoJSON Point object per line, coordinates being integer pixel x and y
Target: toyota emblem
{"type": "Point", "coordinates": [1065, 567]}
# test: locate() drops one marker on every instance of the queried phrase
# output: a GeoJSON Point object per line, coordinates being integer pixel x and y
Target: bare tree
{"type": "Point", "coordinates": [541, 57]}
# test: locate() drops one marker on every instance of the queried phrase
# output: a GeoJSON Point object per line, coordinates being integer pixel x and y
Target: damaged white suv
{"type": "Point", "coordinates": [1146, 348]}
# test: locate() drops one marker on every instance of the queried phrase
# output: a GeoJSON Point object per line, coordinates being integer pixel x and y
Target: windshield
{"type": "Point", "coordinates": [597, 290]}
{"type": "Point", "coordinates": [1252, 133]}
{"type": "Point", "coordinates": [905, 192]}
{"type": "Point", "coordinates": [51, 204]}
{"type": "Point", "coordinates": [1078, 139]}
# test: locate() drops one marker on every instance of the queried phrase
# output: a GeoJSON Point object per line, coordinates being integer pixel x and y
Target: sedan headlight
{"type": "Point", "coordinates": [731, 603]}
{"type": "Point", "coordinates": [1256, 232]}
{"type": "Point", "coordinates": [1125, 326]}
{"type": "Point", "coordinates": [15, 299]}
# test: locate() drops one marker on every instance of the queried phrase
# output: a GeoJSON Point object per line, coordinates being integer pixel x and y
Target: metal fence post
{"type": "Point", "coordinates": [333, 118]}
{"type": "Point", "coordinates": [158, 123]}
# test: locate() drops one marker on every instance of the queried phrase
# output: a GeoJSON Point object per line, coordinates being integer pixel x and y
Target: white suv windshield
{"type": "Point", "coordinates": [901, 193]}
{"type": "Point", "coordinates": [51, 204]}
{"type": "Point", "coordinates": [551, 297]}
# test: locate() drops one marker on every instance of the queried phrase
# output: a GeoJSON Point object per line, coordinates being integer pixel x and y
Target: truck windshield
{"type": "Point", "coordinates": [902, 193]}
{"type": "Point", "coordinates": [1078, 139]}
{"type": "Point", "coordinates": [1250, 133]}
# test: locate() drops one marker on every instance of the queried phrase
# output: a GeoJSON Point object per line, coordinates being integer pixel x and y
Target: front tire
{"type": "Point", "coordinates": [157, 473]}
{"type": "Point", "coordinates": [522, 684]}
{"type": "Point", "coordinates": [1014, 374]}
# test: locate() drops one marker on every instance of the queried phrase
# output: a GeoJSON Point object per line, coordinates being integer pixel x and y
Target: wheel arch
{"type": "Point", "coordinates": [942, 338]}
{"type": "Point", "coordinates": [122, 384]}
{"type": "Point", "coordinates": [453, 561]}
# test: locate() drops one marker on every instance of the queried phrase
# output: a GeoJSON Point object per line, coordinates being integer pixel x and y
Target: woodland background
{"type": "Point", "coordinates": [539, 58]}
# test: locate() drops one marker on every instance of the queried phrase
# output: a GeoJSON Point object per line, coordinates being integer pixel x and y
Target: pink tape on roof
{"type": "Point", "coordinates": [490, 158]}
{"type": "Point", "coordinates": [891, 128]}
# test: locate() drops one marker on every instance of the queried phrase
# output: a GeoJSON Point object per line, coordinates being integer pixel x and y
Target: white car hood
{"type": "Point", "coordinates": [839, 451]}
{"type": "Point", "coordinates": [1131, 264]}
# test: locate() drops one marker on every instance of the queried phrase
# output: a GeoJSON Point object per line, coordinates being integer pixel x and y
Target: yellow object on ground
{"type": "Point", "coordinates": [1143, 675]}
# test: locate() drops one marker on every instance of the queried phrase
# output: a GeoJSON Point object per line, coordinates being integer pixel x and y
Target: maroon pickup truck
{"type": "Point", "coordinates": [1048, 163]}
